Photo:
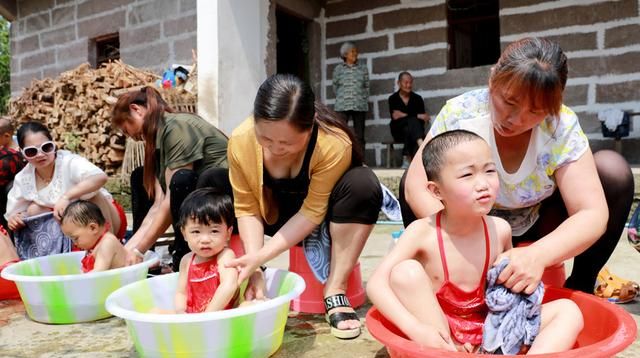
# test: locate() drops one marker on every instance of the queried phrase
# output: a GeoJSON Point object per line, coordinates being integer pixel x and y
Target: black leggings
{"type": "Point", "coordinates": [407, 130]}
{"type": "Point", "coordinates": [356, 197]}
{"type": "Point", "coordinates": [358, 119]}
{"type": "Point", "coordinates": [617, 182]}
{"type": "Point", "coordinates": [183, 182]}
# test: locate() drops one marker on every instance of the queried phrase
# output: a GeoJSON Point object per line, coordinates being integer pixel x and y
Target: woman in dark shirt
{"type": "Point", "coordinates": [181, 152]}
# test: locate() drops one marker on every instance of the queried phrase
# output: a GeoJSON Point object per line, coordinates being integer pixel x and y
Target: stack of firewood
{"type": "Point", "coordinates": [77, 106]}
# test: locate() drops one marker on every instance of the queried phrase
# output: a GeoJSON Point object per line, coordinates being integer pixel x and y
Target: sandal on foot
{"type": "Point", "coordinates": [340, 300]}
{"type": "Point", "coordinates": [614, 288]}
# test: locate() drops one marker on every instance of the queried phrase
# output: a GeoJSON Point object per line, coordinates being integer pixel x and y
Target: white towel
{"type": "Point", "coordinates": [611, 117]}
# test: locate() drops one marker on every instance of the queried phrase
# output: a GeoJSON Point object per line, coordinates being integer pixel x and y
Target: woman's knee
{"type": "Point", "coordinates": [614, 171]}
{"type": "Point", "coordinates": [357, 197]}
{"type": "Point", "coordinates": [408, 274]}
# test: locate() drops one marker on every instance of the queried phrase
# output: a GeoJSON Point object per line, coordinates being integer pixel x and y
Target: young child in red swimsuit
{"type": "Point", "coordinates": [432, 284]}
{"type": "Point", "coordinates": [8, 253]}
{"type": "Point", "coordinates": [84, 224]}
{"type": "Point", "coordinates": [204, 283]}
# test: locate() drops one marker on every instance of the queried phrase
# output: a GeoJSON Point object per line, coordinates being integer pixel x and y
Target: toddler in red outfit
{"type": "Point", "coordinates": [83, 223]}
{"type": "Point", "coordinates": [204, 283]}
{"type": "Point", "coordinates": [432, 284]}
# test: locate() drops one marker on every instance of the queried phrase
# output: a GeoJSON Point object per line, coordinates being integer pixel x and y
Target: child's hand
{"type": "Point", "coordinates": [255, 288]}
{"type": "Point", "coordinates": [524, 271]}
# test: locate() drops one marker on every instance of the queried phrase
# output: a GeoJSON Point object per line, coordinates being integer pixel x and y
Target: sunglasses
{"type": "Point", "coordinates": [44, 148]}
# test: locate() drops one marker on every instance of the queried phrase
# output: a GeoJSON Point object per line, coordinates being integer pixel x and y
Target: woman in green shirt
{"type": "Point", "coordinates": [182, 150]}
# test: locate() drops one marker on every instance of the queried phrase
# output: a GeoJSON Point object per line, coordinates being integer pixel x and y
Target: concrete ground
{"type": "Point", "coordinates": [305, 336]}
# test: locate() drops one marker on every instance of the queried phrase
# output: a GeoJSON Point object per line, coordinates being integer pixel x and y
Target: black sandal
{"type": "Point", "coordinates": [340, 300]}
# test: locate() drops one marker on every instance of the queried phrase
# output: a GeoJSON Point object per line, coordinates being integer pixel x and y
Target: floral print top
{"type": "Point", "coordinates": [553, 144]}
{"type": "Point", "coordinates": [351, 86]}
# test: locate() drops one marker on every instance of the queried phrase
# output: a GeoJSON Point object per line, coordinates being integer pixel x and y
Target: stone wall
{"type": "Point", "coordinates": [52, 36]}
{"type": "Point", "coordinates": [598, 36]}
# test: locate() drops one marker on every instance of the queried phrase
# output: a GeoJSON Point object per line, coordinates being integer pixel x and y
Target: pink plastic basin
{"type": "Point", "coordinates": [608, 329]}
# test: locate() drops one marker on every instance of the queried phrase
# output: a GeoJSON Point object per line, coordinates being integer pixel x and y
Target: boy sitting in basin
{"type": "Point", "coordinates": [432, 284]}
{"type": "Point", "coordinates": [204, 283]}
{"type": "Point", "coordinates": [84, 224]}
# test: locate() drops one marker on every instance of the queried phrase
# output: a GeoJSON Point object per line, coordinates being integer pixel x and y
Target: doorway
{"type": "Point", "coordinates": [292, 49]}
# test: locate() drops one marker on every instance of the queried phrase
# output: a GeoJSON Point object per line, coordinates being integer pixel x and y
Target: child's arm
{"type": "Point", "coordinates": [180, 300]}
{"type": "Point", "coordinates": [105, 253]}
{"type": "Point", "coordinates": [228, 282]}
{"type": "Point", "coordinates": [411, 244]}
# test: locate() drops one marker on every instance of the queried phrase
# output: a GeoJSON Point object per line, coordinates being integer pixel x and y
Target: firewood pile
{"type": "Point", "coordinates": [77, 105]}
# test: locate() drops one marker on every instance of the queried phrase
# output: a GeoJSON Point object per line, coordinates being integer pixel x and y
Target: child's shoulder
{"type": "Point", "coordinates": [226, 254]}
{"type": "Point", "coordinates": [421, 231]}
{"type": "Point", "coordinates": [502, 229]}
{"type": "Point", "coordinates": [110, 242]}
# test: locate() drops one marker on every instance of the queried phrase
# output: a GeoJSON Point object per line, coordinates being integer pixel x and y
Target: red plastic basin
{"type": "Point", "coordinates": [608, 329]}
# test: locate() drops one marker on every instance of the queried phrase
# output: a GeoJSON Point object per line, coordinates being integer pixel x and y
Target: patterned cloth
{"type": "Point", "coordinates": [513, 319]}
{"type": "Point", "coordinates": [554, 143]}
{"type": "Point", "coordinates": [351, 86]}
{"type": "Point", "coordinates": [41, 236]}
{"type": "Point", "coordinates": [317, 250]}
{"type": "Point", "coordinates": [11, 162]}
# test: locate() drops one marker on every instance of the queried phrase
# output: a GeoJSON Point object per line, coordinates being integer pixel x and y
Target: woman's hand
{"type": "Point", "coordinates": [133, 257]}
{"type": "Point", "coordinates": [524, 271]}
{"type": "Point", "coordinates": [60, 206]}
{"type": "Point", "coordinates": [246, 265]}
{"type": "Point", "coordinates": [15, 221]}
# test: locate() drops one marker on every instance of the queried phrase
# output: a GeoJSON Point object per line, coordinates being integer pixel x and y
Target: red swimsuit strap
{"type": "Point", "coordinates": [444, 259]}
{"type": "Point", "coordinates": [106, 228]}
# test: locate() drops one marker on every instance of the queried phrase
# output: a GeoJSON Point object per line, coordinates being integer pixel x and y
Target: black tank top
{"type": "Point", "coordinates": [290, 193]}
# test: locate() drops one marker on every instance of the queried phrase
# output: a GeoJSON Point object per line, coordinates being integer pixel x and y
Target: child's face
{"type": "Point", "coordinates": [468, 180]}
{"type": "Point", "coordinates": [83, 237]}
{"type": "Point", "coordinates": [206, 240]}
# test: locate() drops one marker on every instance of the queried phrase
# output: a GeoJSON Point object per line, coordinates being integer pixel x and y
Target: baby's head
{"type": "Point", "coordinates": [206, 221]}
{"type": "Point", "coordinates": [83, 223]}
{"type": "Point", "coordinates": [461, 170]}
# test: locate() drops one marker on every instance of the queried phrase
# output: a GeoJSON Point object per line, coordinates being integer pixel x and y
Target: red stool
{"type": "Point", "coordinates": [235, 244]}
{"type": "Point", "coordinates": [553, 275]}
{"type": "Point", "coordinates": [312, 299]}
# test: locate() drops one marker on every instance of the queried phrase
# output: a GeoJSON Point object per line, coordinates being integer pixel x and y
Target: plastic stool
{"type": "Point", "coordinates": [553, 275]}
{"type": "Point", "coordinates": [312, 299]}
{"type": "Point", "coordinates": [235, 244]}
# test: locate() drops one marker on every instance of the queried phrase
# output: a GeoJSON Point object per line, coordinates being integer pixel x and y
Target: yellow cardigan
{"type": "Point", "coordinates": [331, 158]}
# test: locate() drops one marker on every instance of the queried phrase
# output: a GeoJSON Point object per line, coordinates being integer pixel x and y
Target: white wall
{"type": "Point", "coordinates": [232, 41]}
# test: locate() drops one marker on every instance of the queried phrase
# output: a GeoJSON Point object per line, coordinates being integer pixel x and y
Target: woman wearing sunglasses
{"type": "Point", "coordinates": [53, 178]}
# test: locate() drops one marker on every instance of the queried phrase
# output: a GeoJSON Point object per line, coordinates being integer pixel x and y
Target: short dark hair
{"type": "Point", "coordinates": [6, 125]}
{"type": "Point", "coordinates": [403, 73]}
{"type": "Point", "coordinates": [83, 213]}
{"type": "Point", "coordinates": [206, 206]}
{"type": "Point", "coordinates": [434, 152]}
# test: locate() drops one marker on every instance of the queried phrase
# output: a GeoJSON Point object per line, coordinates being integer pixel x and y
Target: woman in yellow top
{"type": "Point", "coordinates": [294, 169]}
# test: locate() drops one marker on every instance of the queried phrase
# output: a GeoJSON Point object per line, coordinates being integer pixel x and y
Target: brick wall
{"type": "Point", "coordinates": [52, 36]}
{"type": "Point", "coordinates": [598, 36]}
